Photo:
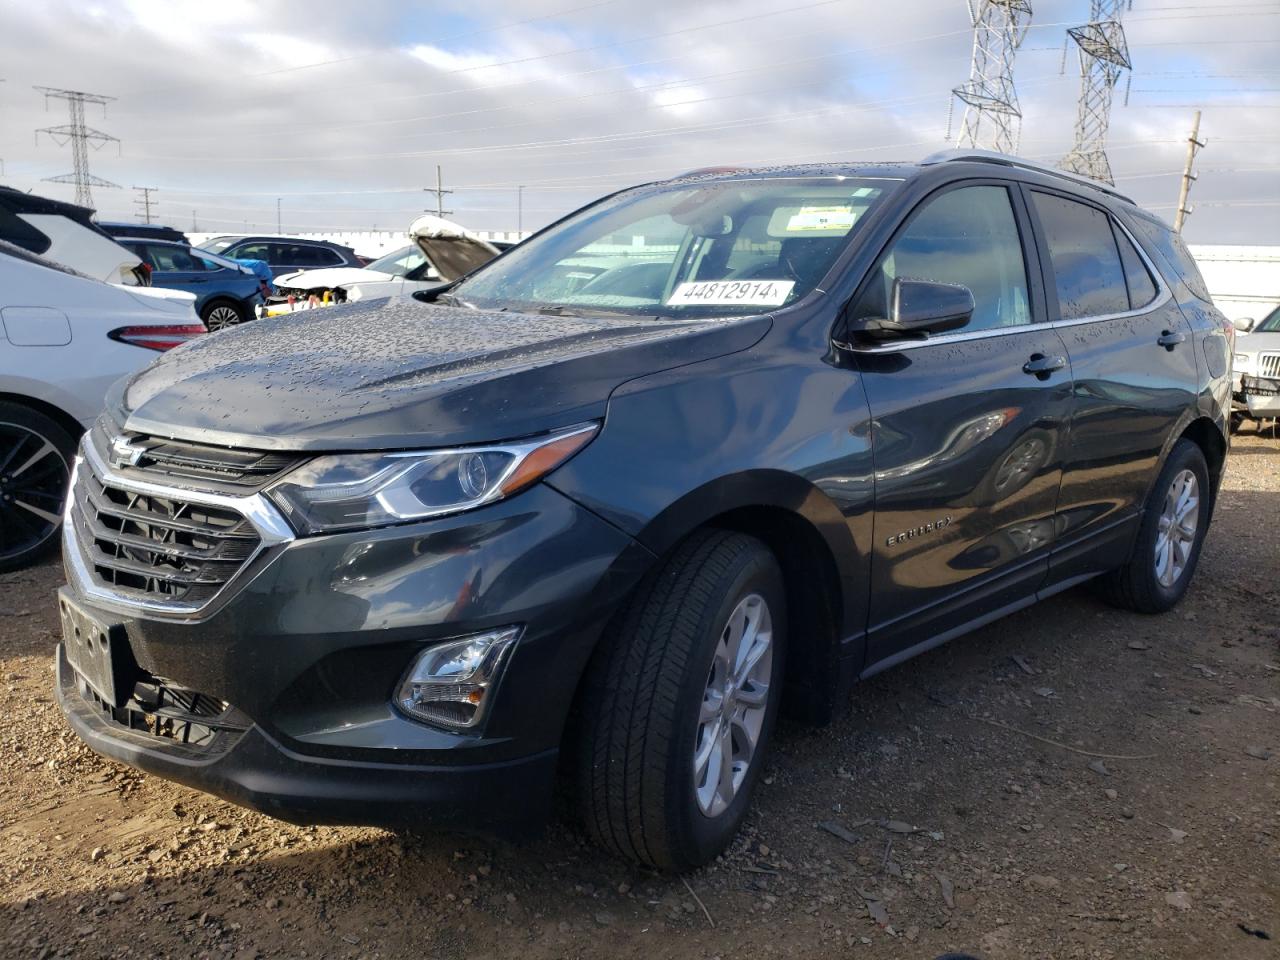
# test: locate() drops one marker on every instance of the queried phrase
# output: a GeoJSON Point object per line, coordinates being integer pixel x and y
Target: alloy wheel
{"type": "Point", "coordinates": [734, 702]}
{"type": "Point", "coordinates": [33, 489]}
{"type": "Point", "coordinates": [1176, 529]}
{"type": "Point", "coordinates": [221, 317]}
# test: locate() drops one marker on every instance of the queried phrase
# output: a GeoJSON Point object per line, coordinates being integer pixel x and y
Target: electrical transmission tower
{"type": "Point", "coordinates": [1104, 55]}
{"type": "Point", "coordinates": [992, 117]}
{"type": "Point", "coordinates": [80, 137]}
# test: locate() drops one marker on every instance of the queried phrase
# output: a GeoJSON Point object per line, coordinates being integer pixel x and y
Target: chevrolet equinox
{"type": "Point", "coordinates": [704, 450]}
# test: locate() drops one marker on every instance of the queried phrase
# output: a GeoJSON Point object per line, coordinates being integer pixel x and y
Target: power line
{"type": "Point", "coordinates": [80, 137]}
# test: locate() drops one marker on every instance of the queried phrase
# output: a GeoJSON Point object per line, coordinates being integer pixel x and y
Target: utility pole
{"type": "Point", "coordinates": [1104, 55]}
{"type": "Point", "coordinates": [144, 201]}
{"type": "Point", "coordinates": [80, 137]}
{"type": "Point", "coordinates": [519, 212]}
{"type": "Point", "coordinates": [194, 228]}
{"type": "Point", "coordinates": [439, 191]}
{"type": "Point", "coordinates": [278, 230]}
{"type": "Point", "coordinates": [992, 117]}
{"type": "Point", "coordinates": [1194, 143]}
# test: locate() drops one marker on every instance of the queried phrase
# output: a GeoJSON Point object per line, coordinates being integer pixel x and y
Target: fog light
{"type": "Point", "coordinates": [451, 683]}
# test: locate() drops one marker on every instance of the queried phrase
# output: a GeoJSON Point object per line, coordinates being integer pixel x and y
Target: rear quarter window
{"type": "Point", "coordinates": [15, 230]}
{"type": "Point", "coordinates": [1173, 251]}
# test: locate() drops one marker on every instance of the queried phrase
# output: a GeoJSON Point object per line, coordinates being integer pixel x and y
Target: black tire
{"type": "Point", "coordinates": [36, 453]}
{"type": "Point", "coordinates": [643, 694]}
{"type": "Point", "coordinates": [217, 314]}
{"type": "Point", "coordinates": [1235, 422]}
{"type": "Point", "coordinates": [1135, 586]}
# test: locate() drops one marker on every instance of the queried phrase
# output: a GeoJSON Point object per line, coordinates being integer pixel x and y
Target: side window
{"type": "Point", "coordinates": [1175, 252]}
{"type": "Point", "coordinates": [1142, 289]}
{"type": "Point", "coordinates": [173, 259]}
{"type": "Point", "coordinates": [15, 230]}
{"type": "Point", "coordinates": [1082, 251]}
{"type": "Point", "coordinates": [325, 257]}
{"type": "Point", "coordinates": [967, 236]}
{"type": "Point", "coordinates": [252, 251]}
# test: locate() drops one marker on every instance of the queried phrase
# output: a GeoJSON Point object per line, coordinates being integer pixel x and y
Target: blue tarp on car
{"type": "Point", "coordinates": [260, 269]}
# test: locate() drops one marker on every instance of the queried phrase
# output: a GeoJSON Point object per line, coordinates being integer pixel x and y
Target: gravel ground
{"type": "Point", "coordinates": [960, 804]}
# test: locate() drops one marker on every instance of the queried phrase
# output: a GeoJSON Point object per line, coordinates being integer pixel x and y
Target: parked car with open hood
{"type": "Point", "coordinates": [65, 233]}
{"type": "Point", "coordinates": [64, 339]}
{"type": "Point", "coordinates": [226, 292]}
{"type": "Point", "coordinates": [410, 561]}
{"type": "Point", "coordinates": [441, 251]}
{"type": "Point", "coordinates": [1257, 370]}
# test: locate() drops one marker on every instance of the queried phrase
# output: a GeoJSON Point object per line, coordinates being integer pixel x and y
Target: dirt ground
{"type": "Point", "coordinates": [958, 806]}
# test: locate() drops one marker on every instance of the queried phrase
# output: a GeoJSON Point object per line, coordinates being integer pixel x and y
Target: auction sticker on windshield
{"type": "Point", "coordinates": [760, 293]}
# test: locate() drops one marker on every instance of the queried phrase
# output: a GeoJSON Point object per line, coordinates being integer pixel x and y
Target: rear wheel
{"type": "Point", "coordinates": [1174, 524]}
{"type": "Point", "coordinates": [221, 314]}
{"type": "Point", "coordinates": [35, 468]}
{"type": "Point", "coordinates": [680, 705]}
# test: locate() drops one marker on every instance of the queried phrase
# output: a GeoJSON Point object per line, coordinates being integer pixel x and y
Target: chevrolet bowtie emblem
{"type": "Point", "coordinates": [125, 454]}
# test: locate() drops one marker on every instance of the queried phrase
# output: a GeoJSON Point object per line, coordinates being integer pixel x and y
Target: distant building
{"type": "Point", "coordinates": [1244, 280]}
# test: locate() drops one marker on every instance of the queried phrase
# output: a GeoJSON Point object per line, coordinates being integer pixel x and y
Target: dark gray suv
{"type": "Point", "coordinates": [706, 449]}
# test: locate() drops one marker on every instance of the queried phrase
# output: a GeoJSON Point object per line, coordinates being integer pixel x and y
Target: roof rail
{"type": "Point", "coordinates": [992, 156]}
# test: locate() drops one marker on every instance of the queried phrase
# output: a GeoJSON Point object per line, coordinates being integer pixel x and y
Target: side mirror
{"type": "Point", "coordinates": [919, 308]}
{"type": "Point", "coordinates": [1243, 324]}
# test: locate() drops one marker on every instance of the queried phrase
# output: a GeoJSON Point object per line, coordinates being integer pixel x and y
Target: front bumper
{"type": "Point", "coordinates": [311, 646]}
{"type": "Point", "coordinates": [1258, 397]}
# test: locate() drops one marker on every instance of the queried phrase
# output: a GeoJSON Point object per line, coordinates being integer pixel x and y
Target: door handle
{"type": "Point", "coordinates": [1169, 339]}
{"type": "Point", "coordinates": [1041, 366]}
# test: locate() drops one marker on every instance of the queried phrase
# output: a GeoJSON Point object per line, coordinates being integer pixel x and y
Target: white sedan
{"type": "Point", "coordinates": [64, 339]}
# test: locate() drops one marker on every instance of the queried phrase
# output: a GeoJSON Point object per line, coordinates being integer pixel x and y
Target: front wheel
{"type": "Point", "coordinates": [680, 704]}
{"type": "Point", "coordinates": [1174, 523]}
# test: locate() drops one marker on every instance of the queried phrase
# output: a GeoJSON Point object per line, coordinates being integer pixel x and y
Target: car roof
{"type": "Point", "coordinates": [897, 170]}
{"type": "Point", "coordinates": [154, 241]}
{"type": "Point", "coordinates": [238, 237]}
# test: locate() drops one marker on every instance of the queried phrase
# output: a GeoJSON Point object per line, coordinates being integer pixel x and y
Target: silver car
{"type": "Point", "coordinates": [1256, 394]}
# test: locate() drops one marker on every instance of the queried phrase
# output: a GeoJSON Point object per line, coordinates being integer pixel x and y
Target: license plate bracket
{"type": "Point", "coordinates": [98, 651]}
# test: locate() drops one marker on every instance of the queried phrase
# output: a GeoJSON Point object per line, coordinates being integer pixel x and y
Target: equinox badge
{"type": "Point", "coordinates": [920, 531]}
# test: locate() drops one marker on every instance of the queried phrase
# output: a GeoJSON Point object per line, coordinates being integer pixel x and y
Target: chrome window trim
{"type": "Point", "coordinates": [266, 520]}
{"type": "Point", "coordinates": [1162, 297]}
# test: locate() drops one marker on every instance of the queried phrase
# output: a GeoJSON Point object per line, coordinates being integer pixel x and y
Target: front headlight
{"type": "Point", "coordinates": [360, 490]}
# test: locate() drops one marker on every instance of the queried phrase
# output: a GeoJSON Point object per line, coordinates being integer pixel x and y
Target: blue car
{"type": "Point", "coordinates": [226, 291]}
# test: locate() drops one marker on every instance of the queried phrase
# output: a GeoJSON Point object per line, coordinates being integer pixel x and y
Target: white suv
{"type": "Point", "coordinates": [1256, 394]}
{"type": "Point", "coordinates": [64, 339]}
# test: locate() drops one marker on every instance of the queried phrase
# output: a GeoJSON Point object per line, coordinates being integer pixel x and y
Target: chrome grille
{"type": "Point", "coordinates": [1269, 366]}
{"type": "Point", "coordinates": [153, 546]}
{"type": "Point", "coordinates": [190, 464]}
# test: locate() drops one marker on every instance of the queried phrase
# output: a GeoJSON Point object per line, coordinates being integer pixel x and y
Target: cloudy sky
{"type": "Point", "coordinates": [343, 110]}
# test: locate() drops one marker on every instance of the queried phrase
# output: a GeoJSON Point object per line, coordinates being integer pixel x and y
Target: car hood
{"type": "Point", "coordinates": [399, 373]}
{"type": "Point", "coordinates": [1256, 342]}
{"type": "Point", "coordinates": [330, 277]}
{"type": "Point", "coordinates": [452, 249]}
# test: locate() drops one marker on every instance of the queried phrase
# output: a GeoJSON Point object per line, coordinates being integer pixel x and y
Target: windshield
{"type": "Point", "coordinates": [1270, 323]}
{"type": "Point", "coordinates": [683, 250]}
{"type": "Point", "coordinates": [218, 244]}
{"type": "Point", "coordinates": [399, 262]}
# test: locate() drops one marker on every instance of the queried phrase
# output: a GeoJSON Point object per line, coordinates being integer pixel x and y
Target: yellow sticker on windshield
{"type": "Point", "coordinates": [833, 219]}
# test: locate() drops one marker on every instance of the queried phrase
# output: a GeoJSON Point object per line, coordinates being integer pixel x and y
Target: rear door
{"type": "Point", "coordinates": [1133, 358]}
{"type": "Point", "coordinates": [967, 426]}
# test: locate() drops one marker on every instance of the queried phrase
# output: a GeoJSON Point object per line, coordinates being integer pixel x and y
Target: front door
{"type": "Point", "coordinates": [967, 427]}
{"type": "Point", "coordinates": [1133, 357]}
